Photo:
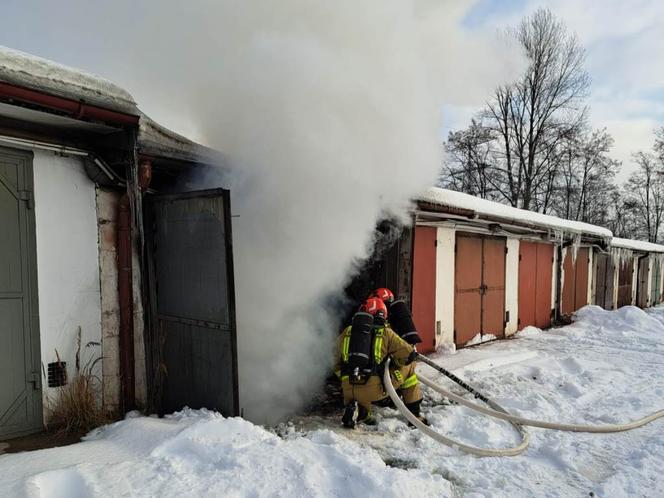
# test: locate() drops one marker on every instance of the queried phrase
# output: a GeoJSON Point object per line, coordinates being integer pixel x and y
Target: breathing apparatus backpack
{"type": "Point", "coordinates": [401, 321]}
{"type": "Point", "coordinates": [360, 349]}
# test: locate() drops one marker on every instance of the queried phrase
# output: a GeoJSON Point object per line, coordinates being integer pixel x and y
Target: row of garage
{"type": "Point", "coordinates": [480, 270]}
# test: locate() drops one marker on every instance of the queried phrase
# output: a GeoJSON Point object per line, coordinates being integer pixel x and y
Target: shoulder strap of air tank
{"type": "Point", "coordinates": [345, 345]}
{"type": "Point", "coordinates": [378, 345]}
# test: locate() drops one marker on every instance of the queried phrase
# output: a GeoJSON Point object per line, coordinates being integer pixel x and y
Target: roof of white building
{"type": "Point", "coordinates": [482, 207]}
{"type": "Point", "coordinates": [40, 74]}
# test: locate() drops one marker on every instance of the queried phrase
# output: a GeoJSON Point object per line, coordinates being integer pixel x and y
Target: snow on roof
{"type": "Point", "coordinates": [29, 71]}
{"type": "Point", "coordinates": [156, 140]}
{"type": "Point", "coordinates": [636, 245]}
{"type": "Point", "coordinates": [482, 207]}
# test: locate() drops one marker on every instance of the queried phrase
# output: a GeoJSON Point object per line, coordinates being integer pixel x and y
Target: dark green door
{"type": "Point", "coordinates": [20, 389]}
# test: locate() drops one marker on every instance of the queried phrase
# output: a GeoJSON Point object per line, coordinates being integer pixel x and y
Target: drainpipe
{"type": "Point", "coordinates": [125, 290]}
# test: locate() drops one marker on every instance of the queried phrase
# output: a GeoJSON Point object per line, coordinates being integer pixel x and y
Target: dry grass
{"type": "Point", "coordinates": [76, 409]}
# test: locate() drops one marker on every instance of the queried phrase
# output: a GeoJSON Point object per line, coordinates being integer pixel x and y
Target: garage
{"type": "Point", "coordinates": [479, 304]}
{"type": "Point", "coordinates": [535, 280]}
{"type": "Point", "coordinates": [575, 280]}
{"type": "Point", "coordinates": [604, 280]}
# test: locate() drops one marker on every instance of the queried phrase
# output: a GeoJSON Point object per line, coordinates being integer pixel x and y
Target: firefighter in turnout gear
{"type": "Point", "coordinates": [363, 349]}
{"type": "Point", "coordinates": [401, 322]}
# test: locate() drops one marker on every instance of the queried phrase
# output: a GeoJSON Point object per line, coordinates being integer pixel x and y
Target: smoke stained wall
{"type": "Point", "coordinates": [328, 113]}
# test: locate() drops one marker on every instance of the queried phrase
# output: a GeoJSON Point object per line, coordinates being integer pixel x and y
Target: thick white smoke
{"type": "Point", "coordinates": [329, 114]}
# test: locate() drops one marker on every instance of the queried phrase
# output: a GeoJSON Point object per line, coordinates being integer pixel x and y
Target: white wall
{"type": "Point", "coordinates": [512, 285]}
{"type": "Point", "coordinates": [554, 279]}
{"type": "Point", "coordinates": [67, 259]}
{"type": "Point", "coordinates": [446, 238]}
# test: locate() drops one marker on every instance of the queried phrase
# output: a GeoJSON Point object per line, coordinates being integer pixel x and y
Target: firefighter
{"type": "Point", "coordinates": [401, 321]}
{"type": "Point", "coordinates": [363, 349]}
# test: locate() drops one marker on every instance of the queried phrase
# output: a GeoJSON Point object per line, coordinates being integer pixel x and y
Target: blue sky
{"type": "Point", "coordinates": [624, 42]}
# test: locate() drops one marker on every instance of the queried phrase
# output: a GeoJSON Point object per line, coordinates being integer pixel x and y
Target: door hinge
{"type": "Point", "coordinates": [435, 243]}
{"type": "Point", "coordinates": [35, 379]}
{"type": "Point", "coordinates": [28, 197]}
{"type": "Point", "coordinates": [507, 318]}
{"type": "Point", "coordinates": [506, 250]}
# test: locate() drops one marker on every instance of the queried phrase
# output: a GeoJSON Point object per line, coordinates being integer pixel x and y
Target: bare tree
{"type": "Point", "coordinates": [644, 196]}
{"type": "Point", "coordinates": [586, 177]}
{"type": "Point", "coordinates": [534, 115]}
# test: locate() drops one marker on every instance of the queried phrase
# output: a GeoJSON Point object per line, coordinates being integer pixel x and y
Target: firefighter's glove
{"type": "Point", "coordinates": [411, 357]}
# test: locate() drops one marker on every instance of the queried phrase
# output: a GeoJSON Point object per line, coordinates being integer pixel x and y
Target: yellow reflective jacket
{"type": "Point", "coordinates": [386, 343]}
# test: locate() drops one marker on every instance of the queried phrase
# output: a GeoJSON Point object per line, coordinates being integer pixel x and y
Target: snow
{"type": "Point", "coordinates": [604, 368]}
{"type": "Point", "coordinates": [30, 71]}
{"type": "Point", "coordinates": [450, 198]}
{"type": "Point", "coordinates": [636, 245]}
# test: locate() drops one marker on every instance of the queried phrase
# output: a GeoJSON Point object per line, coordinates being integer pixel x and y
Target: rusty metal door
{"type": "Point", "coordinates": [527, 284]}
{"type": "Point", "coordinates": [424, 286]}
{"type": "Point", "coordinates": [642, 288]}
{"type": "Point", "coordinates": [535, 281]}
{"type": "Point", "coordinates": [656, 283]}
{"type": "Point", "coordinates": [605, 274]}
{"type": "Point", "coordinates": [479, 304]}
{"type": "Point", "coordinates": [20, 375]}
{"type": "Point", "coordinates": [582, 266]}
{"type": "Point", "coordinates": [544, 285]}
{"type": "Point", "coordinates": [468, 289]}
{"type": "Point", "coordinates": [569, 284]}
{"type": "Point", "coordinates": [625, 277]}
{"type": "Point", "coordinates": [575, 280]}
{"type": "Point", "coordinates": [192, 347]}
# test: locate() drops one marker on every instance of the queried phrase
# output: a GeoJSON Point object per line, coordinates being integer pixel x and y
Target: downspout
{"type": "Point", "coordinates": [125, 291]}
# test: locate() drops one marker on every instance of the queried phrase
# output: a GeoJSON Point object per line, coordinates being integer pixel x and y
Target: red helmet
{"type": "Point", "coordinates": [383, 293]}
{"type": "Point", "coordinates": [375, 307]}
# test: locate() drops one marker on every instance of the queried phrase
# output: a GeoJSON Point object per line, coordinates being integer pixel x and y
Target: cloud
{"type": "Point", "coordinates": [624, 43]}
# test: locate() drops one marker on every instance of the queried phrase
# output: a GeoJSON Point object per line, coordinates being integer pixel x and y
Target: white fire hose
{"type": "Point", "coordinates": [496, 411]}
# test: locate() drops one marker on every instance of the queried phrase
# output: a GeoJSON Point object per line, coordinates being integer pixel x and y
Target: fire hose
{"type": "Point", "coordinates": [496, 411]}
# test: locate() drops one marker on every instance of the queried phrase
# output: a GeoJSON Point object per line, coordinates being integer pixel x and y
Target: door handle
{"type": "Point", "coordinates": [35, 380]}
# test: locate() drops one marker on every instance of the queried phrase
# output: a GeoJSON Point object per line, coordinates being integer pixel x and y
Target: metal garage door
{"type": "Point", "coordinates": [20, 375]}
{"type": "Point", "coordinates": [424, 286]}
{"type": "Point", "coordinates": [192, 340]}
{"type": "Point", "coordinates": [535, 281]}
{"type": "Point", "coordinates": [479, 301]}
{"type": "Point", "coordinates": [656, 283]}
{"type": "Point", "coordinates": [575, 280]}
{"type": "Point", "coordinates": [625, 277]}
{"type": "Point", "coordinates": [642, 288]}
{"type": "Point", "coordinates": [605, 274]}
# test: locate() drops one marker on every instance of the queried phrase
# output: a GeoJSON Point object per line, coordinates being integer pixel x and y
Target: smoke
{"type": "Point", "coordinates": [328, 113]}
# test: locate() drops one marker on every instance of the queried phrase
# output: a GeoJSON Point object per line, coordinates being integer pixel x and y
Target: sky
{"type": "Point", "coordinates": [624, 42]}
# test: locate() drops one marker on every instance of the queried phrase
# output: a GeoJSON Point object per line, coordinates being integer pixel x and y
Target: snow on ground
{"type": "Point", "coordinates": [608, 367]}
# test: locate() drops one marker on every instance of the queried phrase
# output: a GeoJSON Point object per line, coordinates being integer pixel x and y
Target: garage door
{"type": "Point", "coordinates": [535, 274]}
{"type": "Point", "coordinates": [192, 335]}
{"type": "Point", "coordinates": [625, 277]}
{"type": "Point", "coordinates": [575, 280]}
{"type": "Point", "coordinates": [642, 289]}
{"type": "Point", "coordinates": [424, 286]}
{"type": "Point", "coordinates": [656, 283]}
{"type": "Point", "coordinates": [20, 375]}
{"type": "Point", "coordinates": [479, 304]}
{"type": "Point", "coordinates": [605, 274]}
